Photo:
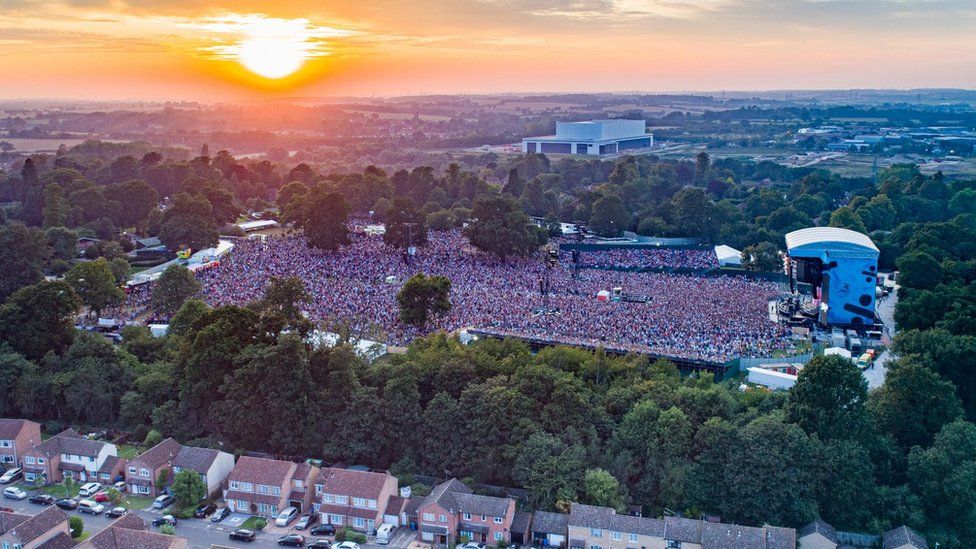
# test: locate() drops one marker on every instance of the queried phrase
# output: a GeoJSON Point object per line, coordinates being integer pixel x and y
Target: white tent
{"type": "Point", "coordinates": [250, 226]}
{"type": "Point", "coordinates": [839, 351]}
{"type": "Point", "coordinates": [370, 350]}
{"type": "Point", "coordinates": [728, 256]}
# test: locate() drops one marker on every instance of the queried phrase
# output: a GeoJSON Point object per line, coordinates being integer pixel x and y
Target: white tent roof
{"type": "Point", "coordinates": [846, 238]}
{"type": "Point", "coordinates": [728, 254]}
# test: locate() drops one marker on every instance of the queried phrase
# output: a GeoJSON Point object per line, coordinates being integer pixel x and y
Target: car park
{"type": "Point", "coordinates": [220, 514]}
{"type": "Point", "coordinates": [204, 510]}
{"type": "Point", "coordinates": [165, 519]}
{"type": "Point", "coordinates": [11, 475]}
{"type": "Point", "coordinates": [116, 512]}
{"type": "Point", "coordinates": [306, 521]}
{"type": "Point", "coordinates": [320, 544]}
{"type": "Point", "coordinates": [286, 516]}
{"type": "Point", "coordinates": [89, 489]}
{"type": "Point", "coordinates": [42, 499]}
{"type": "Point", "coordinates": [323, 530]}
{"type": "Point", "coordinates": [293, 540]}
{"type": "Point", "coordinates": [12, 492]}
{"type": "Point", "coordinates": [90, 507]}
{"type": "Point", "coordinates": [163, 501]}
{"type": "Point", "coordinates": [67, 504]}
{"type": "Point", "coordinates": [243, 534]}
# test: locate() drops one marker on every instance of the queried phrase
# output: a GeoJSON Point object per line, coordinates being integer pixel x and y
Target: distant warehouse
{"type": "Point", "coordinates": [593, 137]}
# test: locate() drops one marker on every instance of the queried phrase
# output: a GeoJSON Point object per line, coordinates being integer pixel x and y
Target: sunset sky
{"type": "Point", "coordinates": [212, 50]}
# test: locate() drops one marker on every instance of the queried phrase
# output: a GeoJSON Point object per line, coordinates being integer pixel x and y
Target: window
{"type": "Point", "coordinates": [246, 487]}
{"type": "Point", "coordinates": [274, 510]}
{"type": "Point", "coordinates": [176, 470]}
{"type": "Point", "coordinates": [596, 533]}
{"type": "Point", "coordinates": [40, 461]}
{"type": "Point", "coordinates": [143, 489]}
{"type": "Point", "coordinates": [318, 488]}
{"type": "Point", "coordinates": [327, 498]}
{"type": "Point", "coordinates": [342, 500]}
{"type": "Point", "coordinates": [498, 520]}
{"type": "Point", "coordinates": [316, 506]}
{"type": "Point", "coordinates": [595, 547]}
{"type": "Point", "coordinates": [467, 516]}
{"type": "Point", "coordinates": [427, 536]}
{"type": "Point", "coordinates": [298, 483]}
{"type": "Point", "coordinates": [8, 459]}
{"type": "Point", "coordinates": [672, 544]}
{"type": "Point", "coordinates": [29, 459]}
{"type": "Point", "coordinates": [633, 538]}
{"type": "Point", "coordinates": [429, 517]}
{"type": "Point", "coordinates": [616, 536]}
{"type": "Point", "coordinates": [336, 519]}
{"type": "Point", "coordinates": [29, 476]}
{"type": "Point", "coordinates": [144, 472]}
{"type": "Point", "coordinates": [483, 518]}
{"type": "Point", "coordinates": [276, 490]}
{"type": "Point", "coordinates": [358, 502]}
{"type": "Point", "coordinates": [6, 444]}
{"type": "Point", "coordinates": [498, 536]}
{"type": "Point", "coordinates": [358, 522]}
{"type": "Point", "coordinates": [371, 504]}
{"type": "Point", "coordinates": [442, 518]}
{"type": "Point", "coordinates": [264, 489]}
{"type": "Point", "coordinates": [262, 507]}
{"type": "Point", "coordinates": [91, 459]}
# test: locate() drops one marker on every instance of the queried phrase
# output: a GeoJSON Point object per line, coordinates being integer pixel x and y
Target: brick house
{"type": "Point", "coordinates": [451, 511]}
{"type": "Point", "coordinates": [112, 470]}
{"type": "Point", "coordinates": [212, 465]}
{"type": "Point", "coordinates": [302, 481]}
{"type": "Point", "coordinates": [142, 473]}
{"type": "Point", "coordinates": [131, 531]}
{"type": "Point", "coordinates": [67, 454]}
{"type": "Point", "coordinates": [259, 486]}
{"type": "Point", "coordinates": [17, 436]}
{"type": "Point", "coordinates": [49, 528]}
{"type": "Point", "coordinates": [357, 499]}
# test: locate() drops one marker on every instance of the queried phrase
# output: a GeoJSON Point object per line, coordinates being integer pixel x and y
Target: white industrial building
{"type": "Point", "coordinates": [593, 137]}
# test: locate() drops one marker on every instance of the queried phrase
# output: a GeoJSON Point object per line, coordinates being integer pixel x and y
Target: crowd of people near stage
{"type": "Point", "coordinates": [691, 317]}
{"type": "Point", "coordinates": [646, 258]}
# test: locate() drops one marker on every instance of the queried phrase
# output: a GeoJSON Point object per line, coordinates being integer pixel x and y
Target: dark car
{"type": "Point", "coordinates": [306, 521]}
{"type": "Point", "coordinates": [116, 512]}
{"type": "Point", "coordinates": [67, 504]}
{"type": "Point", "coordinates": [294, 540]}
{"type": "Point", "coordinates": [243, 534]}
{"type": "Point", "coordinates": [323, 530]}
{"type": "Point", "coordinates": [220, 514]}
{"type": "Point", "coordinates": [42, 499]}
{"type": "Point", "coordinates": [165, 519]}
{"type": "Point", "coordinates": [205, 510]}
{"type": "Point", "coordinates": [320, 544]}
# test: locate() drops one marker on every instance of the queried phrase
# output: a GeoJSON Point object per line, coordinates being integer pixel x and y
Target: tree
{"type": "Point", "coordinates": [323, 219]}
{"type": "Point", "coordinates": [188, 488]}
{"type": "Point", "coordinates": [176, 285]}
{"type": "Point", "coordinates": [846, 218]}
{"type": "Point", "coordinates": [945, 478]}
{"type": "Point", "coordinates": [550, 469]}
{"type": "Point", "coordinates": [286, 296]}
{"type": "Point", "coordinates": [24, 254]}
{"type": "Point", "coordinates": [914, 403]}
{"type": "Point", "coordinates": [762, 257]}
{"type": "Point", "coordinates": [288, 193]}
{"type": "Point", "coordinates": [406, 225]}
{"type": "Point", "coordinates": [75, 525]}
{"type": "Point", "coordinates": [55, 209]}
{"type": "Point", "coordinates": [138, 198]}
{"type": "Point", "coordinates": [601, 488]}
{"type": "Point", "coordinates": [702, 165]}
{"type": "Point", "coordinates": [63, 243]}
{"type": "Point", "coordinates": [609, 216]}
{"type": "Point", "coordinates": [40, 318]}
{"type": "Point", "coordinates": [94, 282]}
{"type": "Point", "coordinates": [515, 185]}
{"type": "Point", "coordinates": [120, 269]}
{"type": "Point", "coordinates": [422, 297]}
{"type": "Point", "coordinates": [188, 223]}
{"type": "Point", "coordinates": [499, 226]}
{"type": "Point", "coordinates": [918, 270]}
{"type": "Point", "coordinates": [693, 212]}
{"type": "Point", "coordinates": [829, 399]}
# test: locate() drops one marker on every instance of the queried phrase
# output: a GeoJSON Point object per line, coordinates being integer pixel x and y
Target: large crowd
{"type": "Point", "coordinates": [648, 258]}
{"type": "Point", "coordinates": [691, 317]}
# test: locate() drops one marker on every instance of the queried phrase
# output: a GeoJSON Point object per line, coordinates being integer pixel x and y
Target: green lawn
{"type": "Point", "coordinates": [251, 523]}
{"type": "Point", "coordinates": [57, 490]}
{"type": "Point", "coordinates": [135, 502]}
{"type": "Point", "coordinates": [129, 451]}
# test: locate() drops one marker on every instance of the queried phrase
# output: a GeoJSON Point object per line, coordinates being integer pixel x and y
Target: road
{"type": "Point", "coordinates": [200, 533]}
{"type": "Point", "coordinates": [886, 311]}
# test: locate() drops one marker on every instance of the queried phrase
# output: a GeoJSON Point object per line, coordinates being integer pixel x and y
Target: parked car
{"type": "Point", "coordinates": [385, 533]}
{"type": "Point", "coordinates": [323, 530]}
{"type": "Point", "coordinates": [243, 534]}
{"type": "Point", "coordinates": [306, 521]}
{"type": "Point", "coordinates": [120, 486]}
{"type": "Point", "coordinates": [116, 512]}
{"type": "Point", "coordinates": [12, 492]}
{"type": "Point", "coordinates": [220, 514]}
{"type": "Point", "coordinates": [42, 499]}
{"type": "Point", "coordinates": [11, 475]}
{"type": "Point", "coordinates": [204, 510]}
{"type": "Point", "coordinates": [101, 497]}
{"type": "Point", "coordinates": [346, 545]}
{"type": "Point", "coordinates": [286, 516]}
{"type": "Point", "coordinates": [90, 507]}
{"type": "Point", "coordinates": [89, 489]}
{"type": "Point", "coordinates": [165, 519]}
{"type": "Point", "coordinates": [294, 540]}
{"type": "Point", "coordinates": [320, 544]}
{"type": "Point", "coordinates": [163, 501]}
{"type": "Point", "coordinates": [472, 545]}
{"type": "Point", "coordinates": [67, 504]}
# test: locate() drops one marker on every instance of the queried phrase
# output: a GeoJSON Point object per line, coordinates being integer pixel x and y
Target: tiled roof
{"type": "Point", "coordinates": [590, 516]}
{"type": "Point", "coordinates": [60, 540]}
{"type": "Point", "coordinates": [109, 465]}
{"type": "Point", "coordinates": [819, 526]}
{"type": "Point", "coordinates": [271, 472]}
{"type": "Point", "coordinates": [9, 521]}
{"type": "Point", "coordinates": [682, 529]}
{"type": "Point", "coordinates": [80, 446]}
{"type": "Point", "coordinates": [159, 455]}
{"type": "Point", "coordinates": [31, 529]}
{"type": "Point", "coordinates": [411, 505]}
{"type": "Point", "coordinates": [196, 459]}
{"type": "Point", "coordinates": [520, 522]}
{"type": "Point", "coordinates": [352, 483]}
{"type": "Point", "coordinates": [550, 523]}
{"type": "Point", "coordinates": [643, 526]}
{"type": "Point", "coordinates": [128, 532]}
{"type": "Point", "coordinates": [10, 428]}
{"type": "Point", "coordinates": [268, 499]}
{"type": "Point", "coordinates": [301, 471]}
{"type": "Point", "coordinates": [53, 446]}
{"type": "Point", "coordinates": [904, 535]}
{"type": "Point", "coordinates": [482, 505]}
{"type": "Point", "coordinates": [394, 505]}
{"type": "Point", "coordinates": [443, 494]}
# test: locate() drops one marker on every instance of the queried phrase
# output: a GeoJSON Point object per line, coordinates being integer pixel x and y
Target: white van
{"type": "Point", "coordinates": [286, 516]}
{"type": "Point", "coordinates": [89, 489]}
{"type": "Point", "coordinates": [385, 533]}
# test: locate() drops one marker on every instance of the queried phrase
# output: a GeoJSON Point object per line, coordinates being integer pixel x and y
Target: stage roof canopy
{"type": "Point", "coordinates": [816, 240]}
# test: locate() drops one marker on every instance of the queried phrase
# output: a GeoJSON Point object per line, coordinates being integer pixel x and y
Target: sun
{"type": "Point", "coordinates": [272, 56]}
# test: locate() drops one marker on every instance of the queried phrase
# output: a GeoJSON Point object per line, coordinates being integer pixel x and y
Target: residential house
{"type": "Point", "coordinates": [549, 529]}
{"type": "Point", "coordinates": [817, 535]}
{"type": "Point", "coordinates": [302, 479]}
{"type": "Point", "coordinates": [394, 511]}
{"type": "Point", "coordinates": [683, 533]}
{"type": "Point", "coordinates": [259, 486]}
{"type": "Point", "coordinates": [593, 527]}
{"type": "Point", "coordinates": [17, 436]}
{"type": "Point", "coordinates": [67, 454]}
{"type": "Point", "coordinates": [904, 538]}
{"type": "Point", "coordinates": [112, 470]}
{"type": "Point", "coordinates": [212, 465]}
{"type": "Point", "coordinates": [451, 512]}
{"type": "Point", "coordinates": [521, 526]}
{"type": "Point", "coordinates": [357, 499]}
{"type": "Point", "coordinates": [47, 529]}
{"type": "Point", "coordinates": [142, 473]}
{"type": "Point", "coordinates": [410, 517]}
{"type": "Point", "coordinates": [130, 531]}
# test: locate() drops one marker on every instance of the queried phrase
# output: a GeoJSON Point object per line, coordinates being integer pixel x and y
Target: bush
{"type": "Point", "coordinates": [348, 534]}
{"type": "Point", "coordinates": [59, 267]}
{"type": "Point", "coordinates": [260, 523]}
{"type": "Point", "coordinates": [185, 512]}
{"type": "Point", "coordinates": [153, 438]}
{"type": "Point", "coordinates": [77, 526]}
{"type": "Point", "coordinates": [167, 529]}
